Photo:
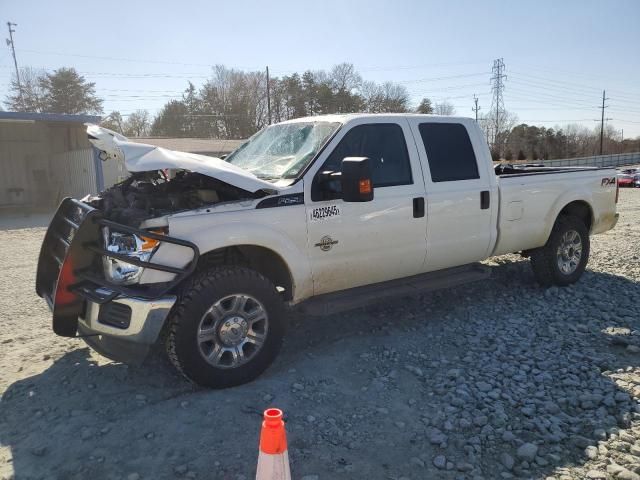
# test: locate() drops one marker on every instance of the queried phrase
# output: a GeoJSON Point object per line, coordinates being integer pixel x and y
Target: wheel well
{"type": "Point", "coordinates": [261, 259]}
{"type": "Point", "coordinates": [580, 209]}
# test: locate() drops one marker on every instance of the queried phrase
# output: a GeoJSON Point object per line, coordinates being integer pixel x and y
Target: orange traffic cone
{"type": "Point", "coordinates": [273, 461]}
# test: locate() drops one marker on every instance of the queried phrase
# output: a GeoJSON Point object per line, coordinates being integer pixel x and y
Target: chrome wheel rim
{"type": "Point", "coordinates": [569, 252]}
{"type": "Point", "coordinates": [232, 331]}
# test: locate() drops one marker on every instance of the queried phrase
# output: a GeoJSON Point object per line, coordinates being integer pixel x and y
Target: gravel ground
{"type": "Point", "coordinates": [500, 379]}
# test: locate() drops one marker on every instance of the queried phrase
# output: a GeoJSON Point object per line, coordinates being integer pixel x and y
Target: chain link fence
{"type": "Point", "coordinates": [615, 160]}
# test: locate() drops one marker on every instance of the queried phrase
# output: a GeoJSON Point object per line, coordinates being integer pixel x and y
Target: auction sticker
{"type": "Point", "coordinates": [324, 213]}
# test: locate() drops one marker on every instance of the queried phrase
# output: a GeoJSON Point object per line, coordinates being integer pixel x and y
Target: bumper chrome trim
{"type": "Point", "coordinates": [147, 319]}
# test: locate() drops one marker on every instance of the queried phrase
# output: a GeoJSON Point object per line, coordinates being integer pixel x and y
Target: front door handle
{"type": "Point", "coordinates": [418, 207]}
{"type": "Point", "coordinates": [485, 199]}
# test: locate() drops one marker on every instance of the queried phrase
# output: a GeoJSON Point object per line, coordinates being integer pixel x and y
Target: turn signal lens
{"type": "Point", "coordinates": [365, 186]}
{"type": "Point", "coordinates": [151, 243]}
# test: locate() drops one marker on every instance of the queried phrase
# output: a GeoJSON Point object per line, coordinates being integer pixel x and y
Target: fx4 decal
{"type": "Point", "coordinates": [608, 181]}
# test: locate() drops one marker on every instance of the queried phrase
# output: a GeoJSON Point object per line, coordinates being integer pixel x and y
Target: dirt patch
{"type": "Point", "coordinates": [499, 379]}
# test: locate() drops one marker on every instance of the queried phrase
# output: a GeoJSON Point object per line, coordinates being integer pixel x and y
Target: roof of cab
{"type": "Point", "coordinates": [345, 117]}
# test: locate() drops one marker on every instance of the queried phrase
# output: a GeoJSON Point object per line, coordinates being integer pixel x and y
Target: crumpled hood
{"type": "Point", "coordinates": [139, 157]}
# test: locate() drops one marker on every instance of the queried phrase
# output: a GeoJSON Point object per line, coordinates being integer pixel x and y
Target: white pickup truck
{"type": "Point", "coordinates": [322, 213]}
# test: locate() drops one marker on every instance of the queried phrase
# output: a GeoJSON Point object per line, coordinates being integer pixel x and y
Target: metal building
{"type": "Point", "coordinates": [45, 157]}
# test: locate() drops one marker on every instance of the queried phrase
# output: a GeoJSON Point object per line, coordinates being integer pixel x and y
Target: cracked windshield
{"type": "Point", "coordinates": [282, 151]}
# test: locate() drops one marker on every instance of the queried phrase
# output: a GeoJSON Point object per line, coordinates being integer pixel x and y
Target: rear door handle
{"type": "Point", "coordinates": [485, 199]}
{"type": "Point", "coordinates": [418, 207]}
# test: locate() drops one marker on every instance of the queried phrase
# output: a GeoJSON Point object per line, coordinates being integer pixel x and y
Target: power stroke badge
{"type": "Point", "coordinates": [326, 243]}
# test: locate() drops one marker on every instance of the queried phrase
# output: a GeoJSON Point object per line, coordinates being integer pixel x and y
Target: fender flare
{"type": "Point", "coordinates": [560, 203]}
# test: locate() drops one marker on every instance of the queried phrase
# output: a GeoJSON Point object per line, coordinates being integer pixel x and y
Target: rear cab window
{"type": "Point", "coordinates": [449, 152]}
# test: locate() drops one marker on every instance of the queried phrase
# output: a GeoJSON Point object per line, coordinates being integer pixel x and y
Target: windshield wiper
{"type": "Point", "coordinates": [266, 177]}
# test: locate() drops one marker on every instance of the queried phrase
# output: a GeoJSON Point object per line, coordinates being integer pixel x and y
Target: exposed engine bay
{"type": "Point", "coordinates": [146, 195]}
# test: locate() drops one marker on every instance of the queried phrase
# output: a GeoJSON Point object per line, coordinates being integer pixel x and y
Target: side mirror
{"type": "Point", "coordinates": [357, 184]}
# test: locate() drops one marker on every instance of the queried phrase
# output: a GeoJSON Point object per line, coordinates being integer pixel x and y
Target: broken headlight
{"type": "Point", "coordinates": [119, 271]}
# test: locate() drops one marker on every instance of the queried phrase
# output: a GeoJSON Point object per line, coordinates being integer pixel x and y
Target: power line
{"type": "Point", "coordinates": [123, 59]}
{"type": "Point", "coordinates": [590, 76]}
{"type": "Point", "coordinates": [564, 91]}
{"type": "Point", "coordinates": [416, 67]}
{"type": "Point", "coordinates": [435, 79]}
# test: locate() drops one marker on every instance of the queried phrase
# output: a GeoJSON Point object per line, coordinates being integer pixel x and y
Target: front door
{"type": "Point", "coordinates": [359, 243]}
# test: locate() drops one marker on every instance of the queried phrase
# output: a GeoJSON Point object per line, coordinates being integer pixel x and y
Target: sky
{"type": "Point", "coordinates": [559, 55]}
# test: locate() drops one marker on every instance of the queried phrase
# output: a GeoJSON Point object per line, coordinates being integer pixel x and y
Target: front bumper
{"type": "Point", "coordinates": [125, 328]}
{"type": "Point", "coordinates": [70, 278]}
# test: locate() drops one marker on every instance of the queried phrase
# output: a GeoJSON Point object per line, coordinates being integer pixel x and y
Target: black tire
{"type": "Point", "coordinates": [544, 260]}
{"type": "Point", "coordinates": [185, 349]}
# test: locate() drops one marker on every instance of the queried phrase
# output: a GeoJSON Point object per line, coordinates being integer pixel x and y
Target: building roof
{"type": "Point", "coordinates": [47, 117]}
{"type": "Point", "coordinates": [204, 146]}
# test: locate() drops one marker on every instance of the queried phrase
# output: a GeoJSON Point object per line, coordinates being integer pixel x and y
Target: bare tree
{"type": "Point", "coordinates": [345, 78]}
{"type": "Point", "coordinates": [29, 95]}
{"type": "Point", "coordinates": [507, 121]}
{"type": "Point", "coordinates": [138, 124]}
{"type": "Point", "coordinates": [388, 97]}
{"type": "Point", "coordinates": [114, 122]}
{"type": "Point", "coordinates": [444, 108]}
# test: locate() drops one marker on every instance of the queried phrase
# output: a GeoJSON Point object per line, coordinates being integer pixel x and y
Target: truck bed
{"type": "Point", "coordinates": [504, 170]}
{"type": "Point", "coordinates": [531, 197]}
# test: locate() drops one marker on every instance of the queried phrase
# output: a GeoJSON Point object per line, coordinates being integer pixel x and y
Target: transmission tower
{"type": "Point", "coordinates": [497, 102]}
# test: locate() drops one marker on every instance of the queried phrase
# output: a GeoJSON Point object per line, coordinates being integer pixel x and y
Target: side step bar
{"type": "Point", "coordinates": [335, 302]}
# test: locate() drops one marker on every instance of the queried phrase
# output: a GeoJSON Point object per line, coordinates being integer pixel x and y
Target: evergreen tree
{"type": "Point", "coordinates": [62, 91]}
{"type": "Point", "coordinates": [66, 91]}
{"type": "Point", "coordinates": [425, 106]}
{"type": "Point", "coordinates": [171, 121]}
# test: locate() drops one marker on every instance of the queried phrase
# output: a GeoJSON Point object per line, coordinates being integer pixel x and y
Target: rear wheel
{"type": "Point", "coordinates": [227, 328]}
{"type": "Point", "coordinates": [562, 260]}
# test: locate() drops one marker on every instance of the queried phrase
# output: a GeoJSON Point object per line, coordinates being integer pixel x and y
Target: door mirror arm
{"type": "Point", "coordinates": [328, 175]}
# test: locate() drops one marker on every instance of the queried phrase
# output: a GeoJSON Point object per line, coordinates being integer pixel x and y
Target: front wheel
{"type": "Point", "coordinates": [562, 260]}
{"type": "Point", "coordinates": [227, 328]}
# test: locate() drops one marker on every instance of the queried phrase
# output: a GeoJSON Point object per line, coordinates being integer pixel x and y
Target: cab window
{"type": "Point", "coordinates": [449, 152]}
{"type": "Point", "coordinates": [384, 145]}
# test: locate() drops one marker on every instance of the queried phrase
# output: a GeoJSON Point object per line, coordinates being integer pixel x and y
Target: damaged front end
{"type": "Point", "coordinates": [71, 268]}
{"type": "Point", "coordinates": [148, 195]}
{"type": "Point", "coordinates": [96, 249]}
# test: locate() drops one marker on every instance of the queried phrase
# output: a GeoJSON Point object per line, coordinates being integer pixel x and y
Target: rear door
{"type": "Point", "coordinates": [461, 198]}
{"type": "Point", "coordinates": [358, 243]}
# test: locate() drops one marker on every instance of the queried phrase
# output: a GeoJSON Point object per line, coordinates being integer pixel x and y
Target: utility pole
{"type": "Point", "coordinates": [13, 51]}
{"type": "Point", "coordinates": [476, 108]}
{"type": "Point", "coordinates": [497, 87]}
{"type": "Point", "coordinates": [268, 98]}
{"type": "Point", "coordinates": [602, 121]}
